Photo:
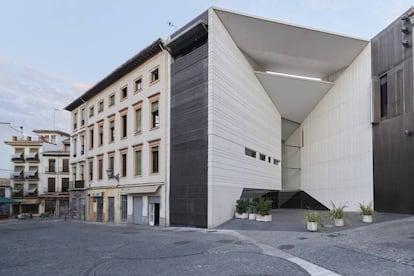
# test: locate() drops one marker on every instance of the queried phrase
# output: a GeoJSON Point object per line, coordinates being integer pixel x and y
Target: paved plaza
{"type": "Point", "coordinates": [58, 247]}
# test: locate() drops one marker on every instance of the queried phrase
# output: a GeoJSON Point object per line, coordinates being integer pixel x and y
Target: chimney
{"type": "Point", "coordinates": [14, 138]}
{"type": "Point", "coordinates": [29, 138]}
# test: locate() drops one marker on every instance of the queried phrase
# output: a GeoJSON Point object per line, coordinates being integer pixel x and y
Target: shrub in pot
{"type": "Point", "coordinates": [367, 212]}
{"type": "Point", "coordinates": [241, 208]}
{"type": "Point", "coordinates": [313, 220]}
{"type": "Point", "coordinates": [337, 214]}
{"type": "Point", "coordinates": [264, 206]}
{"type": "Point", "coordinates": [252, 210]}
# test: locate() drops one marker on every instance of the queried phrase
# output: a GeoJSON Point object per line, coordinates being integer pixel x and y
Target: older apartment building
{"type": "Point", "coordinates": [40, 175]}
{"type": "Point", "coordinates": [256, 107]}
{"type": "Point", "coordinates": [119, 143]}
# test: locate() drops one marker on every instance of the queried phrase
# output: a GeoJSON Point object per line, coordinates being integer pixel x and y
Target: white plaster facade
{"type": "Point", "coordinates": [144, 185]}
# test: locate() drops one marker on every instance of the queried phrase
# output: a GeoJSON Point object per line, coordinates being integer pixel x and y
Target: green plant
{"type": "Point", "coordinates": [337, 212]}
{"type": "Point", "coordinates": [264, 206]}
{"type": "Point", "coordinates": [313, 216]}
{"type": "Point", "coordinates": [252, 207]}
{"type": "Point", "coordinates": [242, 206]}
{"type": "Point", "coordinates": [366, 210]}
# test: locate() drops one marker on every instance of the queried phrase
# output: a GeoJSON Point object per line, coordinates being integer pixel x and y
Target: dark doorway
{"type": "Point", "coordinates": [99, 202]}
{"type": "Point", "coordinates": [156, 214]}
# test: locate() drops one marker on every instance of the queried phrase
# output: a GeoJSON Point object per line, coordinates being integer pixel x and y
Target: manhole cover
{"type": "Point", "coordinates": [302, 238]}
{"type": "Point", "coordinates": [225, 241]}
{"type": "Point", "coordinates": [286, 246]}
{"type": "Point", "coordinates": [182, 242]}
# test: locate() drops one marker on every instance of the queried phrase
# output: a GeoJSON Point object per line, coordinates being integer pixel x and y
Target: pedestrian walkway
{"type": "Point", "coordinates": [294, 220]}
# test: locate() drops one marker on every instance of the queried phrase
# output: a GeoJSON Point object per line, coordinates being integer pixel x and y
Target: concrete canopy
{"type": "Point", "coordinates": [273, 46]}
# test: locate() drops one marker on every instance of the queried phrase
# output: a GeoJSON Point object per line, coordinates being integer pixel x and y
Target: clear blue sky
{"type": "Point", "coordinates": [52, 51]}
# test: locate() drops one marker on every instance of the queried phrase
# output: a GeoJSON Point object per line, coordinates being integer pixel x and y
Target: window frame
{"type": "Point", "coordinates": [138, 79]}
{"type": "Point", "coordinates": [151, 145]}
{"type": "Point", "coordinates": [138, 148]}
{"type": "Point", "coordinates": [152, 121]}
{"type": "Point", "coordinates": [122, 97]}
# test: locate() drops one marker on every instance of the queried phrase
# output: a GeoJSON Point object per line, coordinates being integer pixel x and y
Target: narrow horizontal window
{"type": "Point", "coordinates": [262, 157]}
{"type": "Point", "coordinates": [249, 152]}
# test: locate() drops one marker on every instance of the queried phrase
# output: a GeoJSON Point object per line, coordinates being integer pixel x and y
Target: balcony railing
{"type": "Point", "coordinates": [56, 169]}
{"type": "Point", "coordinates": [78, 184]}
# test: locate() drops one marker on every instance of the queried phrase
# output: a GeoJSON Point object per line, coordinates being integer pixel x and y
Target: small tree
{"type": "Point", "coordinates": [264, 206]}
{"type": "Point", "coordinates": [242, 206]}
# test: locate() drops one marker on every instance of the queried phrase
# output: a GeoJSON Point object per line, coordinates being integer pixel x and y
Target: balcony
{"type": "Point", "coordinates": [17, 174]}
{"type": "Point", "coordinates": [17, 157]}
{"type": "Point", "coordinates": [32, 157]}
{"type": "Point", "coordinates": [31, 175]}
{"type": "Point", "coordinates": [78, 184]}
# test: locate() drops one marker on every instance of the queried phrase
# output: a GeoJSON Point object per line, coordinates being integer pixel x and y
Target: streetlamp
{"type": "Point", "coordinates": [110, 174]}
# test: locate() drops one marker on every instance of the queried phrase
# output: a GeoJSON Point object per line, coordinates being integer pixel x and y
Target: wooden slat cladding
{"type": "Point", "coordinates": [393, 149]}
{"type": "Point", "coordinates": [189, 140]}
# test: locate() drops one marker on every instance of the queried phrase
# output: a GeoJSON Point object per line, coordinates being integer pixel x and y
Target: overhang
{"type": "Point", "coordinates": [294, 97]}
{"type": "Point", "coordinates": [285, 48]}
{"type": "Point", "coordinates": [145, 189]}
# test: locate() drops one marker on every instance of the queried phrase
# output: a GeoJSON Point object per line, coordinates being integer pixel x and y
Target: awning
{"type": "Point", "coordinates": [16, 173]}
{"type": "Point", "coordinates": [33, 190]}
{"type": "Point", "coordinates": [31, 155]}
{"type": "Point", "coordinates": [6, 200]}
{"type": "Point", "coordinates": [17, 155]}
{"type": "Point", "coordinates": [29, 201]}
{"type": "Point", "coordinates": [147, 189]}
{"type": "Point", "coordinates": [15, 191]}
{"type": "Point", "coordinates": [31, 173]}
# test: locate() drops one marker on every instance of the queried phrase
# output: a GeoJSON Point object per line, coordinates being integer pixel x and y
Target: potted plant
{"type": "Point", "coordinates": [263, 210]}
{"type": "Point", "coordinates": [252, 210]}
{"type": "Point", "coordinates": [337, 214]}
{"type": "Point", "coordinates": [241, 208]}
{"type": "Point", "coordinates": [367, 212]}
{"type": "Point", "coordinates": [313, 220]}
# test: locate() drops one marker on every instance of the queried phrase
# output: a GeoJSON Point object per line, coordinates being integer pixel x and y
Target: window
{"type": "Point", "coordinates": [262, 157]}
{"type": "Point", "coordinates": [65, 167]}
{"type": "Point", "coordinates": [154, 158]}
{"type": "Point", "coordinates": [124, 125]}
{"type": "Point", "coordinates": [275, 161]}
{"type": "Point", "coordinates": [74, 147]}
{"type": "Point", "coordinates": [154, 75]}
{"type": "Point", "coordinates": [384, 96]}
{"type": "Point", "coordinates": [138, 159]}
{"type": "Point", "coordinates": [74, 173]}
{"type": "Point", "coordinates": [124, 163]}
{"type": "Point", "coordinates": [82, 172]}
{"type": "Point", "coordinates": [269, 159]}
{"type": "Point", "coordinates": [82, 117]}
{"type": "Point", "coordinates": [101, 134]}
{"type": "Point", "coordinates": [111, 130]}
{"type": "Point", "coordinates": [75, 120]}
{"type": "Point", "coordinates": [52, 165]}
{"type": "Point", "coordinates": [100, 106]}
{"type": "Point", "coordinates": [53, 139]}
{"type": "Point", "coordinates": [111, 100]}
{"type": "Point", "coordinates": [91, 138]}
{"type": "Point", "coordinates": [111, 161]}
{"type": "Point", "coordinates": [91, 111]}
{"type": "Point", "coordinates": [65, 185]}
{"type": "Point", "coordinates": [91, 169]}
{"type": "Point", "coordinates": [155, 121]}
{"type": "Point", "coordinates": [82, 144]}
{"type": "Point", "coordinates": [138, 84]}
{"type": "Point", "coordinates": [51, 184]}
{"type": "Point", "coordinates": [138, 123]}
{"type": "Point", "coordinates": [124, 92]}
{"type": "Point", "coordinates": [100, 167]}
{"type": "Point", "coordinates": [249, 152]}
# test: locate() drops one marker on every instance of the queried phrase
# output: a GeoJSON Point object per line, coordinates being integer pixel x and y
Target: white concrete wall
{"type": "Point", "coordinates": [337, 153]}
{"type": "Point", "coordinates": [240, 115]}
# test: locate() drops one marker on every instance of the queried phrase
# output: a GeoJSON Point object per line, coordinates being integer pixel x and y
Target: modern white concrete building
{"type": "Point", "coordinates": [119, 143]}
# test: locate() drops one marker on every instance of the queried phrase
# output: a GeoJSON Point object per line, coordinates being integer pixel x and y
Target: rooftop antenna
{"type": "Point", "coordinates": [172, 25]}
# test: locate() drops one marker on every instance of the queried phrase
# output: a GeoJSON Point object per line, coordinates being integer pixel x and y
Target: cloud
{"type": "Point", "coordinates": [30, 96]}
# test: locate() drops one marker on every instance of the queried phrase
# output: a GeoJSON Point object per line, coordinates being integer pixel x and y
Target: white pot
{"type": "Point", "coordinates": [339, 222]}
{"type": "Point", "coordinates": [265, 218]}
{"type": "Point", "coordinates": [312, 226]}
{"type": "Point", "coordinates": [367, 218]}
{"type": "Point", "coordinates": [241, 216]}
{"type": "Point", "coordinates": [252, 216]}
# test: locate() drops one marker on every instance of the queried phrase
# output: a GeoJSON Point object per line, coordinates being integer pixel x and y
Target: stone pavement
{"type": "Point", "coordinates": [385, 247]}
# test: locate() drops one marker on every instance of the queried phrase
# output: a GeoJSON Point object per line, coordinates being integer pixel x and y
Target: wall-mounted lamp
{"type": "Point", "coordinates": [408, 132]}
{"type": "Point", "coordinates": [110, 174]}
{"type": "Point", "coordinates": [405, 29]}
{"type": "Point", "coordinates": [405, 43]}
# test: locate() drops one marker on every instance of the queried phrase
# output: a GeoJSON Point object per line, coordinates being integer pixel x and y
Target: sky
{"type": "Point", "coordinates": [52, 51]}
